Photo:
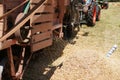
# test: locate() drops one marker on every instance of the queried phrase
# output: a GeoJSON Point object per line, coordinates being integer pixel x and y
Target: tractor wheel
{"type": "Point", "coordinates": [91, 15]}
{"type": "Point", "coordinates": [71, 19]}
{"type": "Point", "coordinates": [98, 12]}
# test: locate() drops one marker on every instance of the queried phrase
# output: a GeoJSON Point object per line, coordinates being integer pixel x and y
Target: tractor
{"type": "Point", "coordinates": [89, 12]}
{"type": "Point", "coordinates": [80, 12]}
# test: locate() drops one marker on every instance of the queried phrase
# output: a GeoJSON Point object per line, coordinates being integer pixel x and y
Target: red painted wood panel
{"type": "Point", "coordinates": [1, 21]}
{"type": "Point", "coordinates": [42, 18]}
{"type": "Point", "coordinates": [41, 36]}
{"type": "Point", "coordinates": [42, 27]}
{"type": "Point", "coordinates": [41, 45]}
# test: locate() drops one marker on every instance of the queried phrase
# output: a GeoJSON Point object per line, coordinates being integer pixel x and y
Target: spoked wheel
{"type": "Point", "coordinates": [91, 16]}
{"type": "Point", "coordinates": [23, 34]}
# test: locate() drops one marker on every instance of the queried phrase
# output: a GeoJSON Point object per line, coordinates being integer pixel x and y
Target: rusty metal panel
{"type": "Point", "coordinates": [41, 45]}
{"type": "Point", "coordinates": [41, 36]}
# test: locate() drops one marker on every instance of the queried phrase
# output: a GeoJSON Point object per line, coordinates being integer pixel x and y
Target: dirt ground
{"type": "Point", "coordinates": [85, 58]}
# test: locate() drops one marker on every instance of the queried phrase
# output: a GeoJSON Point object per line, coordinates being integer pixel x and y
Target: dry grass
{"type": "Point", "coordinates": [86, 59]}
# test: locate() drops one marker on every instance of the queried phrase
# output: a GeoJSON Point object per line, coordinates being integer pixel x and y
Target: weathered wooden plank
{"type": "Point", "coordinates": [36, 1]}
{"type": "Point", "coordinates": [42, 27]}
{"type": "Point", "coordinates": [45, 8]}
{"type": "Point", "coordinates": [41, 36]}
{"type": "Point", "coordinates": [1, 21]}
{"type": "Point", "coordinates": [57, 26]}
{"type": "Point", "coordinates": [42, 18]}
{"type": "Point", "coordinates": [41, 45]}
{"type": "Point", "coordinates": [7, 44]}
{"type": "Point", "coordinates": [11, 62]}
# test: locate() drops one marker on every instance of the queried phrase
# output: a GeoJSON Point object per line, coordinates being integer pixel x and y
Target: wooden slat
{"type": "Point", "coordinates": [41, 45]}
{"type": "Point", "coordinates": [1, 21]}
{"type": "Point", "coordinates": [45, 8]}
{"type": "Point", "coordinates": [41, 36]}
{"type": "Point", "coordinates": [7, 44]}
{"type": "Point", "coordinates": [42, 27]}
{"type": "Point", "coordinates": [11, 62]}
{"type": "Point", "coordinates": [57, 26]}
{"type": "Point", "coordinates": [36, 1]}
{"type": "Point", "coordinates": [42, 18]}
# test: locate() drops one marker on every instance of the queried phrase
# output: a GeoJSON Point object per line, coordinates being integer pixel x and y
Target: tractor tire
{"type": "Point", "coordinates": [91, 15]}
{"type": "Point", "coordinates": [71, 20]}
{"type": "Point", "coordinates": [98, 12]}
{"type": "Point", "coordinates": [67, 29]}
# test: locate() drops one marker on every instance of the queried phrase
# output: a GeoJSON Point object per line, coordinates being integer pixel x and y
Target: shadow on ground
{"type": "Point", "coordinates": [40, 67]}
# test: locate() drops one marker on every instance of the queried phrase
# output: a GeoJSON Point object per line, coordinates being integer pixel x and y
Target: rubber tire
{"type": "Point", "coordinates": [98, 13]}
{"type": "Point", "coordinates": [91, 15]}
{"type": "Point", "coordinates": [68, 30]}
{"type": "Point", "coordinates": [71, 16]}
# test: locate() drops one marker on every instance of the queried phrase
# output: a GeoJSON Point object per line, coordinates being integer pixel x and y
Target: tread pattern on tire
{"type": "Point", "coordinates": [89, 17]}
{"type": "Point", "coordinates": [98, 12]}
